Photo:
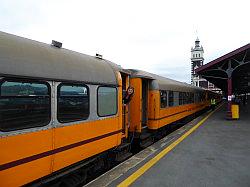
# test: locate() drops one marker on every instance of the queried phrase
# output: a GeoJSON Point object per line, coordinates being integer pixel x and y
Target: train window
{"type": "Point", "coordinates": [192, 97]}
{"type": "Point", "coordinates": [200, 97]}
{"type": "Point", "coordinates": [107, 101]}
{"type": "Point", "coordinates": [203, 96]}
{"type": "Point", "coordinates": [196, 97]}
{"type": "Point", "coordinates": [24, 104]}
{"type": "Point", "coordinates": [164, 98]}
{"type": "Point", "coordinates": [72, 103]}
{"type": "Point", "coordinates": [176, 98]}
{"type": "Point", "coordinates": [187, 98]}
{"type": "Point", "coordinates": [170, 98]}
{"type": "Point", "coordinates": [181, 98]}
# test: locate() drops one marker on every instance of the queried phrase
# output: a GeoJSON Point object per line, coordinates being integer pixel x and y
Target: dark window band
{"type": "Point", "coordinates": [24, 104]}
{"type": "Point", "coordinates": [72, 102]}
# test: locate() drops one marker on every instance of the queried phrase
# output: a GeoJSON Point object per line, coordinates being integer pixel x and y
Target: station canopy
{"type": "Point", "coordinates": [234, 66]}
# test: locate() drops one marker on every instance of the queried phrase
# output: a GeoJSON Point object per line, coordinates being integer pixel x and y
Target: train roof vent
{"type": "Point", "coordinates": [98, 56]}
{"type": "Point", "coordinates": [56, 44]}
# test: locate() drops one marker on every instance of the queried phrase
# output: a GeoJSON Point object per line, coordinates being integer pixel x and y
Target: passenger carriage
{"type": "Point", "coordinates": [159, 101]}
{"type": "Point", "coordinates": [57, 108]}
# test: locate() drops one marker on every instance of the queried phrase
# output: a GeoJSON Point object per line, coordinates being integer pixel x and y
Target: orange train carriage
{"type": "Point", "coordinates": [57, 108]}
{"type": "Point", "coordinates": [62, 113]}
{"type": "Point", "coordinates": [159, 101]}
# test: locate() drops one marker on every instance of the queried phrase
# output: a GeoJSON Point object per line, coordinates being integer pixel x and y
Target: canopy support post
{"type": "Point", "coordinates": [229, 97]}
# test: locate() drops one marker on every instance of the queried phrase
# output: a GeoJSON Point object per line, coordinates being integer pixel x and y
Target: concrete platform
{"type": "Point", "coordinates": [217, 153]}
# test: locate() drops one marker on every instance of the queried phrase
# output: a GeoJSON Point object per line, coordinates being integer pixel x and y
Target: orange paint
{"type": "Point", "coordinates": [160, 117]}
{"type": "Point", "coordinates": [29, 144]}
{"type": "Point", "coordinates": [136, 106]}
{"type": "Point", "coordinates": [21, 146]}
{"type": "Point", "coordinates": [76, 133]}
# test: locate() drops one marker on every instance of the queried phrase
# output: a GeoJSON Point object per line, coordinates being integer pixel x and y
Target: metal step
{"type": "Point", "coordinates": [144, 144]}
{"type": "Point", "coordinates": [144, 136]}
{"type": "Point", "coordinates": [123, 157]}
{"type": "Point", "coordinates": [123, 146]}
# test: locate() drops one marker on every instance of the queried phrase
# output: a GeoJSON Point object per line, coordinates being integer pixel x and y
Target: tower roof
{"type": "Point", "coordinates": [197, 46]}
{"type": "Point", "coordinates": [197, 43]}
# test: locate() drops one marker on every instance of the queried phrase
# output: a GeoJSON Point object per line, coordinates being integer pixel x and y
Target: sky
{"type": "Point", "coordinates": [155, 36]}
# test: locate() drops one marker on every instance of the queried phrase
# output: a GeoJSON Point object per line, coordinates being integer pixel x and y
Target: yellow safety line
{"type": "Point", "coordinates": [154, 160]}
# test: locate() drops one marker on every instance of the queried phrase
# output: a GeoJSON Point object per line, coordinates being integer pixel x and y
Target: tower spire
{"type": "Point", "coordinates": [197, 42]}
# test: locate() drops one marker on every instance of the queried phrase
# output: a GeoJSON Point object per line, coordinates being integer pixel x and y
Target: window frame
{"type": "Point", "coordinates": [176, 98]}
{"type": "Point", "coordinates": [166, 99]}
{"type": "Point", "coordinates": [172, 98]}
{"type": "Point", "coordinates": [25, 80]}
{"type": "Point", "coordinates": [97, 100]}
{"type": "Point", "coordinates": [181, 98]}
{"type": "Point", "coordinates": [58, 95]}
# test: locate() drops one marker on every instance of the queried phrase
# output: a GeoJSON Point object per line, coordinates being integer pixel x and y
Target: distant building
{"type": "Point", "coordinates": [197, 60]}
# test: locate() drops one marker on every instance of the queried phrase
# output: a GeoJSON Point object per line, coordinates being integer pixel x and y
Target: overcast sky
{"type": "Point", "coordinates": [155, 36]}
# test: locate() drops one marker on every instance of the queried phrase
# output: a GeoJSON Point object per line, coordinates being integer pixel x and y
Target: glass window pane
{"type": "Point", "coordinates": [75, 90]}
{"type": "Point", "coordinates": [164, 98]}
{"type": "Point", "coordinates": [107, 101]}
{"type": "Point", "coordinates": [10, 88]}
{"type": "Point", "coordinates": [73, 103]}
{"type": "Point", "coordinates": [176, 98]}
{"type": "Point", "coordinates": [170, 98]}
{"type": "Point", "coordinates": [24, 105]}
{"type": "Point", "coordinates": [180, 98]}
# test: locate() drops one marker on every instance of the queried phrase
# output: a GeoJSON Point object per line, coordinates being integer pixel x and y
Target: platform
{"type": "Point", "coordinates": [215, 153]}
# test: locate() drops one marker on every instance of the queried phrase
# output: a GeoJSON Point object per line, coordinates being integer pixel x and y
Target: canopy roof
{"type": "Point", "coordinates": [235, 65]}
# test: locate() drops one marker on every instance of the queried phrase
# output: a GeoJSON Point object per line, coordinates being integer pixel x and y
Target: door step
{"type": "Point", "coordinates": [145, 144]}
{"type": "Point", "coordinates": [145, 135]}
{"type": "Point", "coordinates": [122, 152]}
{"type": "Point", "coordinates": [146, 140]}
{"type": "Point", "coordinates": [123, 146]}
{"type": "Point", "coordinates": [123, 157]}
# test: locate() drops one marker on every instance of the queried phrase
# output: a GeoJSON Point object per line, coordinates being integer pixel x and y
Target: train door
{"type": "Point", "coordinates": [125, 107]}
{"type": "Point", "coordinates": [135, 105]}
{"type": "Point", "coordinates": [144, 100]}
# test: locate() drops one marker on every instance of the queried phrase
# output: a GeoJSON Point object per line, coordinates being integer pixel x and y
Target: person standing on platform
{"type": "Point", "coordinates": [213, 103]}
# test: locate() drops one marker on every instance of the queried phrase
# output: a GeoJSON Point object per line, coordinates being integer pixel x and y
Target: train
{"type": "Point", "coordinates": [64, 114]}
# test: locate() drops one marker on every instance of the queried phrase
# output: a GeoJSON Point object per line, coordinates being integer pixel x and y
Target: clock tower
{"type": "Point", "coordinates": [197, 60]}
